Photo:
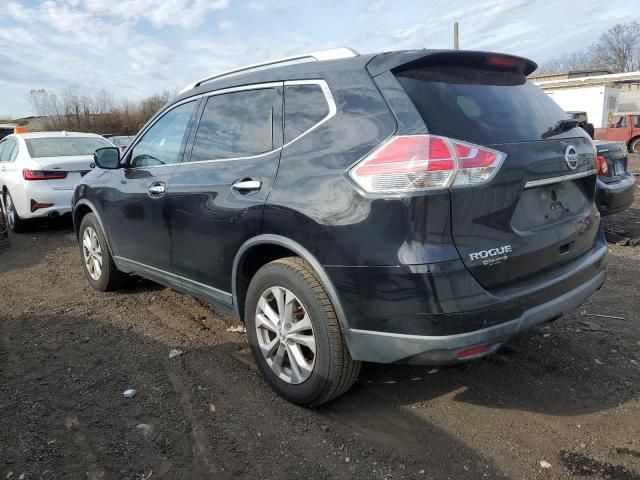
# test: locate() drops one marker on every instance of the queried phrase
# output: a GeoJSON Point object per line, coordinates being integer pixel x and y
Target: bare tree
{"type": "Point", "coordinates": [617, 49]}
{"type": "Point", "coordinates": [76, 110]}
{"type": "Point", "coordinates": [580, 60]}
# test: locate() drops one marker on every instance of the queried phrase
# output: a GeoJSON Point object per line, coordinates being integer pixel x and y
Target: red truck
{"type": "Point", "coordinates": [625, 127]}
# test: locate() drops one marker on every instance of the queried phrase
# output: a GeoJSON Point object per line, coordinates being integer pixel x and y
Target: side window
{"type": "Point", "coordinates": [9, 151]}
{"type": "Point", "coordinates": [636, 121]}
{"type": "Point", "coordinates": [14, 151]}
{"type": "Point", "coordinates": [621, 122]}
{"type": "Point", "coordinates": [2, 144]}
{"type": "Point", "coordinates": [304, 107]}
{"type": "Point", "coordinates": [238, 124]}
{"type": "Point", "coordinates": [161, 144]}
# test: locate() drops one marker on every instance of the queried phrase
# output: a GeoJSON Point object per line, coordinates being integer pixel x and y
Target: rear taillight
{"type": "Point", "coordinates": [413, 163]}
{"type": "Point", "coordinates": [601, 164]}
{"type": "Point", "coordinates": [43, 175]}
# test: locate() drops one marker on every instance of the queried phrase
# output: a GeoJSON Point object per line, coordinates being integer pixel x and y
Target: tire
{"type": "Point", "coordinates": [94, 250]}
{"type": "Point", "coordinates": [16, 224]}
{"type": "Point", "coordinates": [326, 373]}
{"type": "Point", "coordinates": [634, 145]}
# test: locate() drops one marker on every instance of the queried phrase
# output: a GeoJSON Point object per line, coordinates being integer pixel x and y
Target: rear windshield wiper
{"type": "Point", "coordinates": [561, 126]}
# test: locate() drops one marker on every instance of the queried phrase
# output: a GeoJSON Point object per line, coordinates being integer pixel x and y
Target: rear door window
{"type": "Point", "coordinates": [480, 106]}
{"type": "Point", "coordinates": [621, 122]}
{"type": "Point", "coordinates": [305, 106]}
{"type": "Point", "coordinates": [235, 125]}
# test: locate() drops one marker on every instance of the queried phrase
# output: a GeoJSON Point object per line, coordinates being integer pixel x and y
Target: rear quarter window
{"type": "Point", "coordinates": [480, 106]}
{"type": "Point", "coordinates": [304, 107]}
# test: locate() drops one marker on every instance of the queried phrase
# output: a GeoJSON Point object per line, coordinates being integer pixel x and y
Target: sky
{"type": "Point", "coordinates": [135, 48]}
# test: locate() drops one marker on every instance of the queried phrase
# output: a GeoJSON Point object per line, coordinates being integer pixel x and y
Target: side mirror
{"type": "Point", "coordinates": [107, 158]}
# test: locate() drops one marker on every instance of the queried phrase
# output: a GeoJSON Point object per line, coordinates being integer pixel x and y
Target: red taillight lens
{"type": "Point", "coordinates": [601, 164]}
{"type": "Point", "coordinates": [43, 175]}
{"type": "Point", "coordinates": [412, 163]}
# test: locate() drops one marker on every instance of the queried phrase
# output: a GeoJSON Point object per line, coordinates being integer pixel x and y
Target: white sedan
{"type": "Point", "coordinates": [39, 171]}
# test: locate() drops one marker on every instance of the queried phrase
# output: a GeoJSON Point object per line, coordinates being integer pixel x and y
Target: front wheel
{"type": "Point", "coordinates": [634, 146]}
{"type": "Point", "coordinates": [97, 261]}
{"type": "Point", "coordinates": [295, 336]}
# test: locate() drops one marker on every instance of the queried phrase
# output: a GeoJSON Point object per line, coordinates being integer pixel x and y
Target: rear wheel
{"type": "Point", "coordinates": [634, 146]}
{"type": "Point", "coordinates": [16, 224]}
{"type": "Point", "coordinates": [295, 335]}
{"type": "Point", "coordinates": [97, 261]}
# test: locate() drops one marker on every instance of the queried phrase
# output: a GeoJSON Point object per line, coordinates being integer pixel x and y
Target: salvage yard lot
{"type": "Point", "coordinates": [566, 393]}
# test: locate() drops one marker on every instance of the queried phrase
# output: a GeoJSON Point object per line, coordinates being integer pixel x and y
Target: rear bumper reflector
{"type": "Point", "coordinates": [37, 205]}
{"type": "Point", "coordinates": [561, 178]}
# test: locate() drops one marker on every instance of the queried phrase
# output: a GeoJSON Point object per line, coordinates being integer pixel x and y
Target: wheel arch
{"type": "Point", "coordinates": [269, 247]}
{"type": "Point", "coordinates": [80, 210]}
{"type": "Point", "coordinates": [630, 142]}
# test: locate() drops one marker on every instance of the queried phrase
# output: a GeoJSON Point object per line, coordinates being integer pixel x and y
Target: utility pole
{"type": "Point", "coordinates": [456, 45]}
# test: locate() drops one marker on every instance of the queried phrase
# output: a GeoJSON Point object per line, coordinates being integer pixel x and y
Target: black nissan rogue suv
{"type": "Point", "coordinates": [416, 207]}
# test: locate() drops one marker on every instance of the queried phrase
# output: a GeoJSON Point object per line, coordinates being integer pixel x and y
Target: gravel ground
{"type": "Point", "coordinates": [564, 396]}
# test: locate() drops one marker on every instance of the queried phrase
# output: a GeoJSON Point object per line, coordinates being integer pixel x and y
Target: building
{"type": "Point", "coordinates": [597, 92]}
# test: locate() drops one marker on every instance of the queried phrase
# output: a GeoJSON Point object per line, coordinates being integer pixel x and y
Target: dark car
{"type": "Point", "coordinates": [416, 207]}
{"type": "Point", "coordinates": [616, 187]}
{"type": "Point", "coordinates": [583, 121]}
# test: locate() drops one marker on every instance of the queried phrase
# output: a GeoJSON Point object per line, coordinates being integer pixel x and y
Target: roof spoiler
{"type": "Point", "coordinates": [406, 60]}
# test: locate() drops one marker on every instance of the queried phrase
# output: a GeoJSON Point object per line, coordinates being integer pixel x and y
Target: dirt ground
{"type": "Point", "coordinates": [566, 393]}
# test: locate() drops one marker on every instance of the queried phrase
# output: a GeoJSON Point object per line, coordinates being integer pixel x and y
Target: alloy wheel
{"type": "Point", "coordinates": [285, 335]}
{"type": "Point", "coordinates": [92, 253]}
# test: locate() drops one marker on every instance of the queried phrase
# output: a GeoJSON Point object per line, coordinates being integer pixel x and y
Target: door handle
{"type": "Point", "coordinates": [247, 185]}
{"type": "Point", "coordinates": [157, 189]}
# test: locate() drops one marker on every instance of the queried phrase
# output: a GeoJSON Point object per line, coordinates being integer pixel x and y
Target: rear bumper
{"type": "Point", "coordinates": [615, 197]}
{"type": "Point", "coordinates": [41, 193]}
{"type": "Point", "coordinates": [382, 347]}
{"type": "Point", "coordinates": [426, 314]}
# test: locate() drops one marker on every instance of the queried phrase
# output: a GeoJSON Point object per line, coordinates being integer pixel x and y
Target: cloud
{"type": "Point", "coordinates": [227, 26]}
{"type": "Point", "coordinates": [180, 13]}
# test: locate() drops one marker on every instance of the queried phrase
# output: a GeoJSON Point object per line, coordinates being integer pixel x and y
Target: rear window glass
{"type": "Point", "coordinates": [480, 106]}
{"type": "Point", "coordinates": [304, 107]}
{"type": "Point", "coordinates": [64, 146]}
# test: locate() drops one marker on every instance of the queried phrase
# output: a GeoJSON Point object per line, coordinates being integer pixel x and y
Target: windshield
{"type": "Point", "coordinates": [481, 106]}
{"type": "Point", "coordinates": [64, 146]}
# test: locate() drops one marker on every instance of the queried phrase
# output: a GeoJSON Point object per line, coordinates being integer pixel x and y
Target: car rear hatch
{"type": "Point", "coordinates": [537, 211]}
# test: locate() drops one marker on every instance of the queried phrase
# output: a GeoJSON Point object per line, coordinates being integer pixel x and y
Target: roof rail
{"type": "Point", "coordinates": [319, 56]}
